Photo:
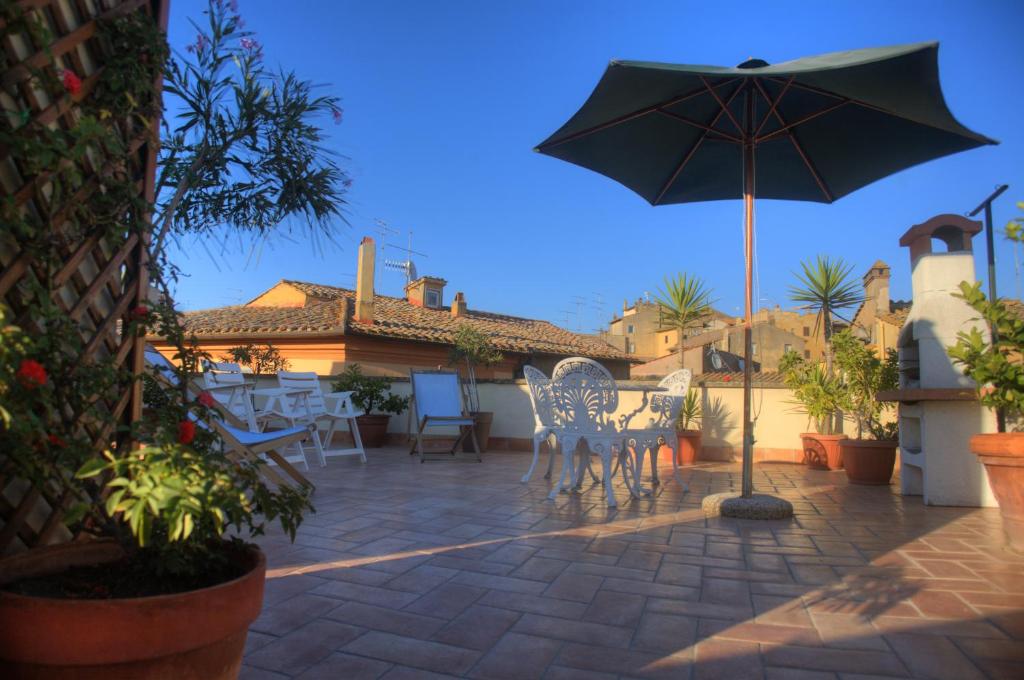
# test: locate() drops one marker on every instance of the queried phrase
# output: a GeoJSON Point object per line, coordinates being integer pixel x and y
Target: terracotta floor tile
{"type": "Point", "coordinates": [634, 664]}
{"type": "Point", "coordinates": [838, 660]}
{"type": "Point", "coordinates": [387, 620]}
{"type": "Point", "coordinates": [617, 609]}
{"type": "Point", "coordinates": [574, 586]}
{"type": "Point", "coordinates": [933, 656]}
{"type": "Point", "coordinates": [517, 656]}
{"type": "Point", "coordinates": [346, 666]}
{"type": "Point", "coordinates": [665, 633]}
{"type": "Point", "coordinates": [727, 659]}
{"type": "Point", "coordinates": [586, 632]}
{"type": "Point", "coordinates": [536, 604]}
{"type": "Point", "coordinates": [303, 647]}
{"type": "Point", "coordinates": [540, 569]}
{"type": "Point", "coordinates": [431, 656]}
{"type": "Point", "coordinates": [478, 627]}
{"type": "Point", "coordinates": [446, 601]}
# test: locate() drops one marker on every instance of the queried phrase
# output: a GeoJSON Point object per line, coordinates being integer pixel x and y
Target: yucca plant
{"type": "Point", "coordinates": [826, 287]}
{"type": "Point", "coordinates": [684, 301]}
{"type": "Point", "coordinates": [691, 412]}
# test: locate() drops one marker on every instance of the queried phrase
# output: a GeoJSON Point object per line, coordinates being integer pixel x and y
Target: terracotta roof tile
{"type": "Point", "coordinates": [396, 318]}
{"type": "Point", "coordinates": [761, 378]}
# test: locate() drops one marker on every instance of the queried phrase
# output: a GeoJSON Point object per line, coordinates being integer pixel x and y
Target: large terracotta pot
{"type": "Point", "coordinates": [821, 451]}
{"type": "Point", "coordinates": [689, 446]}
{"type": "Point", "coordinates": [195, 635]}
{"type": "Point", "coordinates": [1003, 456]}
{"type": "Point", "coordinates": [868, 461]}
{"type": "Point", "coordinates": [483, 432]}
{"type": "Point", "coordinates": [373, 429]}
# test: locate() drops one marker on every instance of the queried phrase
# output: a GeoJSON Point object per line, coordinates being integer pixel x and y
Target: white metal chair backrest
{"type": "Point", "coordinates": [541, 398]}
{"type": "Point", "coordinates": [585, 395]}
{"type": "Point", "coordinates": [222, 374]}
{"type": "Point", "coordinates": [666, 405]}
{"type": "Point", "coordinates": [437, 393]}
{"type": "Point", "coordinates": [305, 381]}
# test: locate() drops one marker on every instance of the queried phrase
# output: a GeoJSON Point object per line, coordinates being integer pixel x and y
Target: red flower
{"type": "Point", "coordinates": [206, 399]}
{"type": "Point", "coordinates": [72, 83]}
{"type": "Point", "coordinates": [186, 432]}
{"type": "Point", "coordinates": [31, 374]}
{"type": "Point", "coordinates": [56, 441]}
{"type": "Point", "coordinates": [727, 378]}
{"type": "Point", "coordinates": [140, 312]}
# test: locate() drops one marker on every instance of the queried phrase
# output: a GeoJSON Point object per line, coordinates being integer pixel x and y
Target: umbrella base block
{"type": "Point", "coordinates": [758, 506]}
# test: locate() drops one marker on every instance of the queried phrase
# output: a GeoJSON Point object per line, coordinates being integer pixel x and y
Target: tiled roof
{"type": "Point", "coordinates": [318, 317]}
{"type": "Point", "coordinates": [759, 379]}
{"type": "Point", "coordinates": [396, 318]}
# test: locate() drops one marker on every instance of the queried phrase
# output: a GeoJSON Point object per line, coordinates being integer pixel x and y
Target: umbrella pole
{"type": "Point", "coordinates": [748, 325]}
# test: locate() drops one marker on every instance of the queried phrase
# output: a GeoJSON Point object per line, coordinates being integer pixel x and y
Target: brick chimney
{"type": "Point", "coordinates": [364, 281]}
{"type": "Point", "coordinates": [876, 287]}
{"type": "Point", "coordinates": [459, 305]}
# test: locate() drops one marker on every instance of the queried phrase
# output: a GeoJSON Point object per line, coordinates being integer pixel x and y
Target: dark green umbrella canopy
{"type": "Point", "coordinates": [822, 126]}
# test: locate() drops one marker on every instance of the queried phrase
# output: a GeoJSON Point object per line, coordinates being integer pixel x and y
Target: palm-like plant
{"type": "Point", "coordinates": [684, 301]}
{"type": "Point", "coordinates": [826, 287]}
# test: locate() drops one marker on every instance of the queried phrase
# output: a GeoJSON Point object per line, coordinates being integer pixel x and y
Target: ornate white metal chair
{"type": "Point", "coordinates": [229, 385]}
{"type": "Point", "coordinates": [437, 398]}
{"type": "Point", "coordinates": [545, 423]}
{"type": "Point", "coordinates": [336, 407]}
{"type": "Point", "coordinates": [661, 425]}
{"type": "Point", "coordinates": [585, 396]}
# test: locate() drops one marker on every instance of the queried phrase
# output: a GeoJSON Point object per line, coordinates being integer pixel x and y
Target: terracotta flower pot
{"type": "Point", "coordinates": [373, 429]}
{"type": "Point", "coordinates": [821, 451]}
{"type": "Point", "coordinates": [868, 461]}
{"type": "Point", "coordinates": [195, 635]}
{"type": "Point", "coordinates": [483, 432]}
{"type": "Point", "coordinates": [1003, 456]}
{"type": "Point", "coordinates": [689, 446]}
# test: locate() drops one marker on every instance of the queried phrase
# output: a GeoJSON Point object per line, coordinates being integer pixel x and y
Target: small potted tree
{"type": "Point", "coordinates": [373, 395]}
{"type": "Point", "coordinates": [822, 395]}
{"type": "Point", "coordinates": [870, 457]}
{"type": "Point", "coordinates": [997, 369]}
{"type": "Point", "coordinates": [689, 439]}
{"type": "Point", "coordinates": [260, 359]}
{"type": "Point", "coordinates": [472, 348]}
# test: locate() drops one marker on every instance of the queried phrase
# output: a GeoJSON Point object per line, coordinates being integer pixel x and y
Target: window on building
{"type": "Point", "coordinates": [807, 331]}
{"type": "Point", "coordinates": [807, 354]}
{"type": "Point", "coordinates": [666, 339]}
{"type": "Point", "coordinates": [753, 348]}
{"type": "Point", "coordinates": [630, 346]}
{"type": "Point", "coordinates": [787, 348]}
{"type": "Point", "coordinates": [433, 297]}
{"type": "Point", "coordinates": [629, 329]}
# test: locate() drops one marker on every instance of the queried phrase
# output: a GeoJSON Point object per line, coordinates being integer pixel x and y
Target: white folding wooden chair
{"type": "Point", "coordinates": [545, 424]}
{"type": "Point", "coordinates": [437, 398]}
{"type": "Point", "coordinates": [336, 407]}
{"type": "Point", "coordinates": [232, 387]}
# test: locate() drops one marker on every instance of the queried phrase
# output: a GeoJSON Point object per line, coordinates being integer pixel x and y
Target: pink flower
{"type": "Point", "coordinates": [140, 312]}
{"type": "Point", "coordinates": [186, 432]}
{"type": "Point", "coordinates": [336, 113]}
{"type": "Point", "coordinates": [72, 83]}
{"type": "Point", "coordinates": [31, 374]}
{"type": "Point", "coordinates": [206, 399]}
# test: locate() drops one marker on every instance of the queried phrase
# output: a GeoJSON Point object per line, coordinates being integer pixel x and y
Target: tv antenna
{"type": "Point", "coordinates": [565, 317]}
{"type": "Point", "coordinates": [579, 301]}
{"type": "Point", "coordinates": [382, 228]}
{"type": "Point", "coordinates": [407, 264]}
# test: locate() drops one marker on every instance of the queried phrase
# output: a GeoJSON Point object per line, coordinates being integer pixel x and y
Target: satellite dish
{"type": "Point", "coordinates": [716, 361]}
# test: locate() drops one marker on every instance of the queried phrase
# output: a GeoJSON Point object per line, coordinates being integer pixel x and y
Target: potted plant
{"type": "Point", "coordinates": [260, 359]}
{"type": "Point", "coordinates": [373, 395]}
{"type": "Point", "coordinates": [870, 457]}
{"type": "Point", "coordinates": [689, 439]}
{"type": "Point", "coordinates": [996, 367]}
{"type": "Point", "coordinates": [822, 396]}
{"type": "Point", "coordinates": [159, 581]}
{"type": "Point", "coordinates": [472, 348]}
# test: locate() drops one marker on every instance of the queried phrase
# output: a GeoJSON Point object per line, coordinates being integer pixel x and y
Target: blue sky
{"type": "Point", "coordinates": [445, 100]}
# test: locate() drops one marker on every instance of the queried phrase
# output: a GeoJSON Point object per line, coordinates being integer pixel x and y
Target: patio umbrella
{"type": "Point", "coordinates": [813, 129]}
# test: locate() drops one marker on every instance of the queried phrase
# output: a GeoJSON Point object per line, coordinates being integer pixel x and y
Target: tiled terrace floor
{"type": "Point", "coordinates": [457, 569]}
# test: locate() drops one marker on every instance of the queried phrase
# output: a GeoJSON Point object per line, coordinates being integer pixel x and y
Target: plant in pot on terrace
{"type": "Point", "coordinates": [472, 348]}
{"type": "Point", "coordinates": [997, 368]}
{"type": "Point", "coordinates": [170, 508]}
{"type": "Point", "coordinates": [260, 359]}
{"type": "Point", "coordinates": [821, 395]}
{"type": "Point", "coordinates": [373, 395]}
{"type": "Point", "coordinates": [688, 436]}
{"type": "Point", "coordinates": [871, 456]}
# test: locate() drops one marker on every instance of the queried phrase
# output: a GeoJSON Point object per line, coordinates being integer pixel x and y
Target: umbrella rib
{"type": "Point", "coordinates": [787, 127]}
{"type": "Point", "coordinates": [693, 149]}
{"type": "Point", "coordinates": [796, 143]}
{"type": "Point", "coordinates": [725, 107]}
{"type": "Point", "coordinates": [706, 128]}
{"type": "Point", "coordinates": [635, 114]}
{"type": "Point", "coordinates": [774, 104]}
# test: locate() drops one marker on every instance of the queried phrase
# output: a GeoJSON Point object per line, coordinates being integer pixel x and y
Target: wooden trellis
{"type": "Point", "coordinates": [101, 279]}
